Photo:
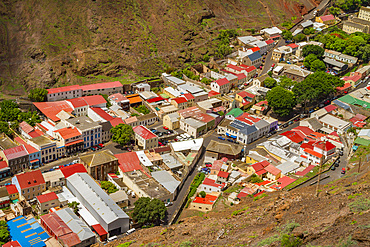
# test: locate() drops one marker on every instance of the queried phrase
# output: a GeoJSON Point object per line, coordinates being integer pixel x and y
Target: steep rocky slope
{"type": "Point", "coordinates": [339, 216]}
{"type": "Point", "coordinates": [43, 43]}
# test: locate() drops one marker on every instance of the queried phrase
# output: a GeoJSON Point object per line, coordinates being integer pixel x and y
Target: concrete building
{"type": "Point", "coordinates": [29, 184]}
{"type": "Point", "coordinates": [333, 123]}
{"type": "Point", "coordinates": [61, 93]}
{"type": "Point", "coordinates": [221, 86]}
{"type": "Point", "coordinates": [70, 138]}
{"type": "Point", "coordinates": [166, 180]}
{"type": "Point", "coordinates": [120, 100]}
{"type": "Point", "coordinates": [47, 147]}
{"type": "Point", "coordinates": [99, 164]}
{"type": "Point", "coordinates": [107, 88]}
{"type": "Point", "coordinates": [17, 158]}
{"type": "Point", "coordinates": [79, 106]}
{"type": "Point", "coordinates": [47, 201]}
{"type": "Point", "coordinates": [91, 131]}
{"type": "Point", "coordinates": [145, 138]}
{"type": "Point", "coordinates": [142, 87]}
{"type": "Point", "coordinates": [193, 127]}
{"type": "Point", "coordinates": [296, 73]}
{"type": "Point", "coordinates": [54, 179]}
{"type": "Point", "coordinates": [340, 56]}
{"type": "Point", "coordinates": [99, 204]}
{"type": "Point", "coordinates": [171, 80]}
{"type": "Point", "coordinates": [172, 121]}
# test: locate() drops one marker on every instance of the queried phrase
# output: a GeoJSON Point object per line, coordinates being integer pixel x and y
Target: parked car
{"type": "Point", "coordinates": [101, 145]}
{"type": "Point", "coordinates": [208, 165]}
{"type": "Point", "coordinates": [343, 171]}
{"type": "Point", "coordinates": [273, 65]}
{"type": "Point", "coordinates": [230, 140]}
{"type": "Point", "coordinates": [160, 134]}
{"type": "Point", "coordinates": [164, 127]}
{"type": "Point", "coordinates": [153, 130]}
{"type": "Point", "coordinates": [170, 131]}
{"type": "Point", "coordinates": [221, 138]}
{"type": "Point", "coordinates": [175, 139]}
{"type": "Point", "coordinates": [333, 168]}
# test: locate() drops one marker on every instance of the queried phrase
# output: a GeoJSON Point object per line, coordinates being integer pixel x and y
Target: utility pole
{"type": "Point", "coordinates": [318, 178]}
{"type": "Point", "coordinates": [359, 164]}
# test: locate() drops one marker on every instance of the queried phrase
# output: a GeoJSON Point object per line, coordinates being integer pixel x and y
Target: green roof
{"type": "Point", "coordinates": [165, 96]}
{"type": "Point", "coordinates": [236, 112]}
{"type": "Point", "coordinates": [354, 101]}
{"type": "Point", "coordinates": [362, 141]}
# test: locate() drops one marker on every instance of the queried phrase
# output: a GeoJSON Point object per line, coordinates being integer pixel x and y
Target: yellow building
{"type": "Point", "coordinates": [204, 204]}
{"type": "Point", "coordinates": [172, 121]}
{"type": "Point", "coordinates": [326, 19]}
{"type": "Point", "coordinates": [13, 192]}
{"type": "Point", "coordinates": [245, 99]}
{"type": "Point", "coordinates": [364, 13]}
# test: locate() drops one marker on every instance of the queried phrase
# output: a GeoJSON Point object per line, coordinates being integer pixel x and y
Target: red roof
{"type": "Point", "coordinates": [260, 165]}
{"type": "Point", "coordinates": [254, 49]}
{"type": "Point", "coordinates": [327, 17]}
{"type": "Point", "coordinates": [245, 94]}
{"type": "Point", "coordinates": [273, 170]}
{"type": "Point", "coordinates": [51, 109]}
{"type": "Point", "coordinates": [77, 102]}
{"type": "Point", "coordinates": [292, 45]}
{"type": "Point", "coordinates": [116, 121]}
{"type": "Point", "coordinates": [30, 179]}
{"type": "Point", "coordinates": [234, 67]}
{"type": "Point", "coordinates": [345, 86]}
{"type": "Point", "coordinates": [12, 244]}
{"type": "Point", "coordinates": [47, 197]}
{"type": "Point", "coordinates": [222, 81]}
{"type": "Point", "coordinates": [117, 97]}
{"type": "Point", "coordinates": [314, 153]}
{"type": "Point", "coordinates": [104, 85]}
{"type": "Point", "coordinates": [217, 164]}
{"type": "Point", "coordinates": [189, 96]}
{"type": "Point", "coordinates": [189, 112]}
{"type": "Point", "coordinates": [3, 164]}
{"type": "Point", "coordinates": [269, 41]}
{"type": "Point", "coordinates": [128, 161]}
{"type": "Point", "coordinates": [241, 76]}
{"type": "Point", "coordinates": [12, 189]}
{"type": "Point", "coordinates": [354, 78]}
{"type": "Point", "coordinates": [305, 171]}
{"type": "Point", "coordinates": [360, 117]}
{"type": "Point", "coordinates": [293, 136]}
{"type": "Point", "coordinates": [223, 174]}
{"type": "Point", "coordinates": [102, 113]}
{"type": "Point", "coordinates": [305, 130]}
{"type": "Point", "coordinates": [35, 133]}
{"type": "Point", "coordinates": [263, 183]}
{"type": "Point", "coordinates": [74, 142]}
{"type": "Point", "coordinates": [248, 118]}
{"type": "Point", "coordinates": [306, 145]}
{"type": "Point", "coordinates": [72, 169]}
{"type": "Point", "coordinates": [26, 127]}
{"type": "Point", "coordinates": [144, 132]}
{"type": "Point", "coordinates": [211, 182]}
{"type": "Point", "coordinates": [29, 148]}
{"type": "Point", "coordinates": [63, 89]}
{"type": "Point", "coordinates": [16, 152]}
{"type": "Point", "coordinates": [260, 172]}
{"type": "Point", "coordinates": [180, 100]}
{"type": "Point", "coordinates": [99, 230]}
{"type": "Point", "coordinates": [285, 181]}
{"type": "Point", "coordinates": [248, 68]}
{"type": "Point", "coordinates": [68, 132]}
{"type": "Point", "coordinates": [209, 199]}
{"type": "Point", "coordinates": [205, 118]}
{"type": "Point", "coordinates": [93, 100]}
{"type": "Point", "coordinates": [326, 146]}
{"type": "Point", "coordinates": [155, 99]}
{"type": "Point", "coordinates": [212, 93]}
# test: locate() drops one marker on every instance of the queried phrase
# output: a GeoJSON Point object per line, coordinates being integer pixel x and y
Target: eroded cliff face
{"type": "Point", "coordinates": [62, 42]}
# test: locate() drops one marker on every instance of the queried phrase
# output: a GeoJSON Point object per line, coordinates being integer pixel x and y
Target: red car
{"type": "Point", "coordinates": [208, 165]}
{"type": "Point", "coordinates": [160, 144]}
{"type": "Point", "coordinates": [164, 127]}
{"type": "Point", "coordinates": [101, 145]}
{"type": "Point", "coordinates": [273, 65]}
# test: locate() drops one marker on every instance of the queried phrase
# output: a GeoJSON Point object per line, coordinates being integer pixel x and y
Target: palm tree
{"type": "Point", "coordinates": [74, 206]}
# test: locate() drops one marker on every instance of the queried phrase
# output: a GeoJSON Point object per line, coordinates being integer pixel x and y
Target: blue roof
{"type": "Point", "coordinates": [238, 124]}
{"type": "Point", "coordinates": [341, 104]}
{"type": "Point", "coordinates": [249, 130]}
{"type": "Point", "coordinates": [27, 233]}
{"type": "Point", "coordinates": [254, 56]}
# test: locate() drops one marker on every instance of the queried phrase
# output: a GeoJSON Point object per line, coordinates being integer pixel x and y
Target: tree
{"type": "Point", "coordinates": [108, 186]}
{"type": "Point", "coordinates": [122, 134]}
{"type": "Point", "coordinates": [142, 109]}
{"type": "Point", "coordinates": [300, 37]}
{"type": "Point", "coordinates": [318, 65]}
{"type": "Point", "coordinates": [308, 31]}
{"type": "Point", "coordinates": [290, 241]}
{"type": "Point", "coordinates": [364, 53]}
{"type": "Point", "coordinates": [334, 11]}
{"type": "Point", "coordinates": [4, 233]}
{"type": "Point", "coordinates": [308, 60]}
{"type": "Point", "coordinates": [38, 94]}
{"type": "Point", "coordinates": [270, 82]}
{"type": "Point", "coordinates": [149, 211]}
{"type": "Point", "coordinates": [255, 179]}
{"type": "Point", "coordinates": [287, 35]}
{"type": "Point", "coordinates": [313, 49]}
{"type": "Point", "coordinates": [206, 58]}
{"type": "Point", "coordinates": [202, 194]}
{"type": "Point", "coordinates": [286, 82]}
{"type": "Point", "coordinates": [338, 45]}
{"type": "Point", "coordinates": [74, 206]}
{"type": "Point", "coordinates": [4, 128]}
{"type": "Point", "coordinates": [281, 100]}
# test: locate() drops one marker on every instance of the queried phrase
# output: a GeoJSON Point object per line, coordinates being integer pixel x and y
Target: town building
{"type": "Point", "coordinates": [12, 192]}
{"type": "Point", "coordinates": [245, 99]}
{"type": "Point", "coordinates": [217, 150]}
{"type": "Point", "coordinates": [120, 100]}
{"type": "Point", "coordinates": [4, 197]}
{"type": "Point", "coordinates": [326, 19]}
{"type": "Point", "coordinates": [210, 185]}
{"type": "Point", "coordinates": [340, 56]}
{"type": "Point", "coordinates": [29, 184]}
{"type": "Point", "coordinates": [70, 138]}
{"type": "Point", "coordinates": [48, 148]}
{"type": "Point", "coordinates": [62, 93]}
{"type": "Point", "coordinates": [203, 204]}
{"type": "Point", "coordinates": [54, 180]}
{"type": "Point", "coordinates": [47, 201]}
{"type": "Point", "coordinates": [171, 80]}
{"type": "Point", "coordinates": [145, 138]}
{"type": "Point", "coordinates": [296, 73]}
{"type": "Point", "coordinates": [193, 127]}
{"type": "Point", "coordinates": [172, 121]}
{"type": "Point", "coordinates": [100, 164]}
{"type": "Point", "coordinates": [221, 86]}
{"type": "Point", "coordinates": [17, 158]}
{"type": "Point", "coordinates": [91, 131]}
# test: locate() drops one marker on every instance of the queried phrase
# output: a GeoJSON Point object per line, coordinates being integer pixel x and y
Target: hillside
{"type": "Point", "coordinates": [52, 43]}
{"type": "Point", "coordinates": [339, 216]}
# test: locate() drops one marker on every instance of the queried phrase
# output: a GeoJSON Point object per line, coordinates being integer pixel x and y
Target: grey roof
{"type": "Point", "coordinates": [247, 39]}
{"type": "Point", "coordinates": [175, 80]}
{"type": "Point", "coordinates": [261, 124]}
{"type": "Point", "coordinates": [115, 107]}
{"type": "Point", "coordinates": [238, 124]}
{"type": "Point", "coordinates": [360, 21]}
{"type": "Point", "coordinates": [42, 140]}
{"type": "Point", "coordinates": [333, 62]}
{"type": "Point", "coordinates": [341, 104]}
{"type": "Point", "coordinates": [307, 24]}
{"type": "Point", "coordinates": [75, 224]}
{"type": "Point", "coordinates": [83, 123]}
{"type": "Point", "coordinates": [364, 132]}
{"type": "Point", "coordinates": [315, 124]}
{"type": "Point", "coordinates": [174, 117]}
{"type": "Point", "coordinates": [354, 24]}
{"type": "Point", "coordinates": [95, 199]}
{"type": "Point", "coordinates": [287, 167]}
{"type": "Point", "coordinates": [190, 89]}
{"type": "Point", "coordinates": [166, 180]}
{"type": "Point", "coordinates": [249, 130]}
{"type": "Point", "coordinates": [119, 196]}
{"type": "Point", "coordinates": [170, 161]}
{"type": "Point", "coordinates": [193, 122]}
{"type": "Point", "coordinates": [254, 56]}
{"type": "Point", "coordinates": [224, 148]}
{"type": "Point", "coordinates": [106, 126]}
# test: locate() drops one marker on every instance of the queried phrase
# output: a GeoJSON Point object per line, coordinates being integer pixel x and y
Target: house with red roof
{"type": "Point", "coordinates": [313, 156]}
{"type": "Point", "coordinates": [70, 138]}
{"type": "Point", "coordinates": [28, 131]}
{"type": "Point", "coordinates": [221, 86]}
{"type": "Point", "coordinates": [107, 88]}
{"type": "Point", "coordinates": [272, 173]}
{"type": "Point", "coordinates": [210, 185]}
{"type": "Point", "coordinates": [98, 114]}
{"type": "Point", "coordinates": [47, 201]}
{"type": "Point", "coordinates": [250, 71]}
{"type": "Point", "coordinates": [352, 79]}
{"type": "Point", "coordinates": [12, 244]}
{"type": "Point", "coordinates": [213, 94]}
{"type": "Point", "coordinates": [62, 93]}
{"type": "Point", "coordinates": [222, 177]}
{"type": "Point", "coordinates": [261, 108]}
{"type": "Point", "coordinates": [17, 158]}
{"type": "Point", "coordinates": [12, 192]}
{"type": "Point", "coordinates": [51, 109]}
{"type": "Point", "coordinates": [180, 102]}
{"type": "Point", "coordinates": [79, 106]}
{"type": "Point", "coordinates": [258, 168]}
{"type": "Point", "coordinates": [190, 99]}
{"type": "Point", "coordinates": [4, 169]}
{"type": "Point", "coordinates": [128, 162]}
{"type": "Point", "coordinates": [283, 182]}
{"type": "Point", "coordinates": [72, 169]}
{"type": "Point", "coordinates": [326, 19]}
{"type": "Point", "coordinates": [34, 155]}
{"type": "Point", "coordinates": [120, 100]}
{"type": "Point", "coordinates": [295, 137]}
{"type": "Point", "coordinates": [29, 184]}
{"type": "Point", "coordinates": [204, 204]}
{"type": "Point", "coordinates": [145, 138]}
{"type": "Point", "coordinates": [344, 89]}
{"type": "Point", "coordinates": [95, 101]}
{"type": "Point", "coordinates": [245, 99]}
{"type": "Point", "coordinates": [324, 147]}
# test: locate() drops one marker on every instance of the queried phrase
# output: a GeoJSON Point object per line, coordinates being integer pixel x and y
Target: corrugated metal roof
{"type": "Point", "coordinates": [166, 180]}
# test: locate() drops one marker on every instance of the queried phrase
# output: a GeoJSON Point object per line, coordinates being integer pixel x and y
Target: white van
{"type": "Point", "coordinates": [112, 238]}
{"type": "Point", "coordinates": [130, 231]}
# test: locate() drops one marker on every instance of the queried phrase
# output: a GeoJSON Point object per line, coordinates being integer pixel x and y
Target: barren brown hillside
{"type": "Point", "coordinates": [46, 43]}
{"type": "Point", "coordinates": [339, 216]}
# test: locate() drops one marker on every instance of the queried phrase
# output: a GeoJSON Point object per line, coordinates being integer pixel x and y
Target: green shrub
{"type": "Point", "coordinates": [360, 205]}
{"type": "Point", "coordinates": [290, 241]}
{"type": "Point", "coordinates": [270, 240]}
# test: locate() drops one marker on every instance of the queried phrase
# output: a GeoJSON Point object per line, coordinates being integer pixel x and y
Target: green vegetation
{"type": "Point", "coordinates": [309, 175]}
{"type": "Point", "coordinates": [354, 196]}
{"type": "Point", "coordinates": [350, 5]}
{"type": "Point", "coordinates": [186, 244]}
{"type": "Point", "coordinates": [149, 211]}
{"type": "Point", "coordinates": [270, 82]}
{"type": "Point", "coordinates": [314, 50]}
{"type": "Point", "coordinates": [347, 242]}
{"type": "Point", "coordinates": [360, 152]}
{"type": "Point", "coordinates": [334, 11]}
{"type": "Point", "coordinates": [308, 31]}
{"type": "Point", "coordinates": [255, 179]}
{"type": "Point", "coordinates": [125, 244]}
{"type": "Point", "coordinates": [259, 197]}
{"type": "Point", "coordinates": [38, 94]}
{"type": "Point", "coordinates": [198, 179]}
{"type": "Point", "coordinates": [223, 46]}
{"type": "Point", "coordinates": [109, 187]}
{"type": "Point", "coordinates": [286, 82]}
{"type": "Point", "coordinates": [284, 236]}
{"type": "Point", "coordinates": [122, 134]}
{"type": "Point", "coordinates": [74, 206]}
{"type": "Point", "coordinates": [142, 109]}
{"type": "Point", "coordinates": [106, 99]}
{"type": "Point", "coordinates": [300, 37]}
{"type": "Point", "coordinates": [281, 100]}
{"type": "Point", "coordinates": [290, 241]}
{"type": "Point", "coordinates": [234, 188]}
{"type": "Point", "coordinates": [206, 81]}
{"type": "Point", "coordinates": [360, 205]}
{"type": "Point", "coordinates": [4, 232]}
{"type": "Point", "coordinates": [287, 35]}
{"type": "Point", "coordinates": [202, 194]}
{"type": "Point", "coordinates": [237, 212]}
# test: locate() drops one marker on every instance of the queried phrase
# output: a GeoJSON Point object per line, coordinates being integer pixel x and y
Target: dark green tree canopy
{"type": "Point", "coordinates": [318, 65]}
{"type": "Point", "coordinates": [281, 100]}
{"type": "Point", "coordinates": [308, 60]}
{"type": "Point", "coordinates": [122, 134]}
{"type": "Point", "coordinates": [149, 211]}
{"type": "Point", "coordinates": [38, 94]}
{"type": "Point", "coordinates": [287, 35]}
{"type": "Point", "coordinates": [270, 82]}
{"type": "Point", "coordinates": [313, 49]}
